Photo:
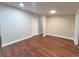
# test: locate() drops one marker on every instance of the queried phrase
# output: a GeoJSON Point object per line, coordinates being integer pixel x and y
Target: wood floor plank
{"type": "Point", "coordinates": [39, 46]}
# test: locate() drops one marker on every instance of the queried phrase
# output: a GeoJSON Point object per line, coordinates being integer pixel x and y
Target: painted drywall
{"type": "Point", "coordinates": [40, 25]}
{"type": "Point", "coordinates": [77, 19]}
{"type": "Point", "coordinates": [44, 20]}
{"type": "Point", "coordinates": [61, 25]}
{"type": "Point", "coordinates": [15, 24]}
{"type": "Point", "coordinates": [76, 34]}
{"type": "Point", "coordinates": [0, 29]}
{"type": "Point", "coordinates": [35, 25]}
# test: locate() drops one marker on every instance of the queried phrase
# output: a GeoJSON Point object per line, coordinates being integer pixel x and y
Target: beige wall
{"type": "Point", "coordinates": [61, 25]}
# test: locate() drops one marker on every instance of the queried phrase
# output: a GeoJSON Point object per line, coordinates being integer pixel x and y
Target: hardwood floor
{"type": "Point", "coordinates": [39, 46]}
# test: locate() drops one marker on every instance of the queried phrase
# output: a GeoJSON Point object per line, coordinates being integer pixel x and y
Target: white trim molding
{"type": "Point", "coordinates": [6, 44]}
{"type": "Point", "coordinates": [60, 36]}
{"type": "Point", "coordinates": [44, 34]}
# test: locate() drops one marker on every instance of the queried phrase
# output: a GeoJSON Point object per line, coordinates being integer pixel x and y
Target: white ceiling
{"type": "Point", "coordinates": [45, 7]}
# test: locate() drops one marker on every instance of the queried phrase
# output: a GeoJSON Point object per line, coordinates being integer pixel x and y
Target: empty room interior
{"type": "Point", "coordinates": [39, 29]}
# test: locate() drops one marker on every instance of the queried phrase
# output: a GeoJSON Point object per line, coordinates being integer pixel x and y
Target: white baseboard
{"type": "Point", "coordinates": [76, 41]}
{"type": "Point", "coordinates": [44, 34]}
{"type": "Point", "coordinates": [61, 36]}
{"type": "Point", "coordinates": [16, 41]}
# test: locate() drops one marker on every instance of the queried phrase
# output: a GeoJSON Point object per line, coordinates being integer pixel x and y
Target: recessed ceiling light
{"type": "Point", "coordinates": [21, 4]}
{"type": "Point", "coordinates": [52, 11]}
